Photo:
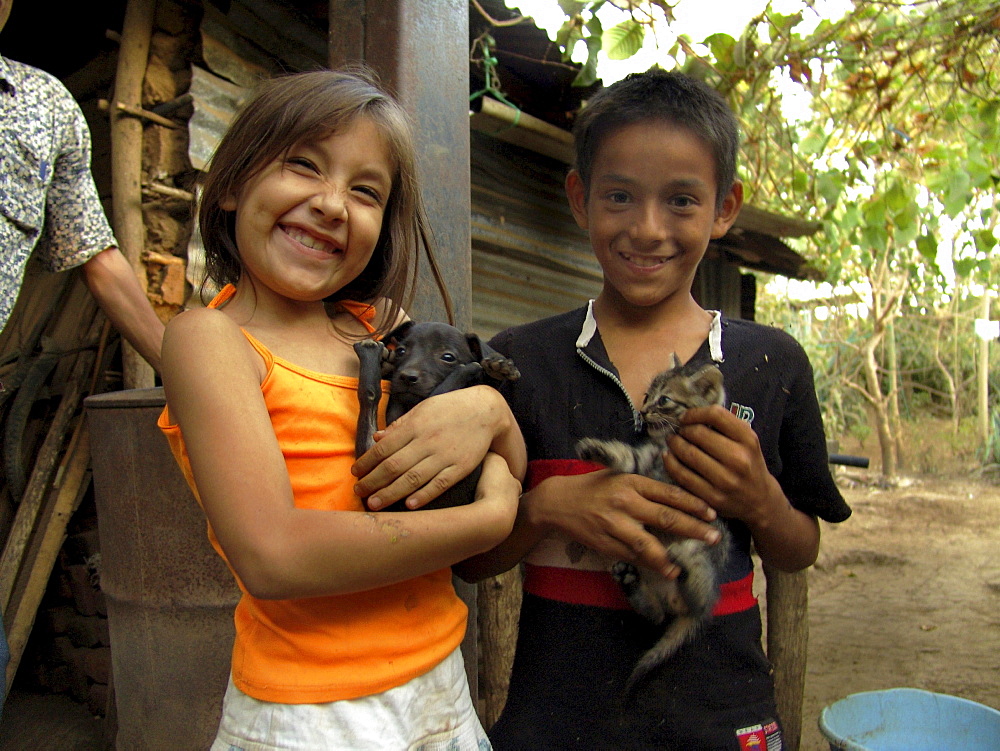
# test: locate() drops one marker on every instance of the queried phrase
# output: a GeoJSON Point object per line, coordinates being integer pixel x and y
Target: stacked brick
{"type": "Point", "coordinates": [69, 651]}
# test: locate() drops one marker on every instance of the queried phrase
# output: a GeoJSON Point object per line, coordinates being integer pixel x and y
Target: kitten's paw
{"type": "Point", "coordinates": [626, 574]}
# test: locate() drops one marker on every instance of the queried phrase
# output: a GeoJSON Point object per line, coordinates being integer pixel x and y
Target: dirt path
{"type": "Point", "coordinates": [906, 593]}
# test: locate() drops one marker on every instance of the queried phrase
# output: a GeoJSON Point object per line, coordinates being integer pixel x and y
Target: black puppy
{"type": "Point", "coordinates": [423, 359]}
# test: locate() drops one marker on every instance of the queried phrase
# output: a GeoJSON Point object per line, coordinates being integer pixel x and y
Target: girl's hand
{"type": "Point", "coordinates": [436, 444]}
{"type": "Point", "coordinates": [606, 511]}
{"type": "Point", "coordinates": [498, 492]}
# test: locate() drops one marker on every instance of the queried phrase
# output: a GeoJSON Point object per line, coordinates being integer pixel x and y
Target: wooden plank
{"type": "Point", "coordinates": [29, 508]}
{"type": "Point", "coordinates": [787, 642]}
{"type": "Point", "coordinates": [63, 501]}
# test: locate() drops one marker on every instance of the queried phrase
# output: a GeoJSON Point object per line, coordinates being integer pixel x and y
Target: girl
{"type": "Point", "coordinates": [348, 628]}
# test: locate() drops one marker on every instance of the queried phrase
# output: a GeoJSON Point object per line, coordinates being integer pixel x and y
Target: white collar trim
{"type": "Point", "coordinates": [714, 332]}
{"type": "Point", "coordinates": [589, 327]}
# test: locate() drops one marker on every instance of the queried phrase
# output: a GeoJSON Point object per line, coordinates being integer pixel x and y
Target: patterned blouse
{"type": "Point", "coordinates": [48, 197]}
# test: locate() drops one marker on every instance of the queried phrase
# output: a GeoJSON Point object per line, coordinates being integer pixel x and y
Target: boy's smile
{"type": "Point", "coordinates": [650, 211]}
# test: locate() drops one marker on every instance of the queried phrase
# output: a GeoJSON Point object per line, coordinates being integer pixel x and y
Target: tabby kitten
{"type": "Point", "coordinates": [684, 604]}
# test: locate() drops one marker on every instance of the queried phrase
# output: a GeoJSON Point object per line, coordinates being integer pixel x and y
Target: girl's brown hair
{"type": "Point", "coordinates": [288, 110]}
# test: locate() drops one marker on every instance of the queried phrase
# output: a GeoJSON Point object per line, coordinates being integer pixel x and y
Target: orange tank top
{"type": "Point", "coordinates": [324, 649]}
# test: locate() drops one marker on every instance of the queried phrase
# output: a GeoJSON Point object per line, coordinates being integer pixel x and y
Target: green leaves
{"type": "Point", "coordinates": [624, 40]}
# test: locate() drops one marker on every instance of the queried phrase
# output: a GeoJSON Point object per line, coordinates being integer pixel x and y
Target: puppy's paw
{"type": "Point", "coordinates": [501, 368]}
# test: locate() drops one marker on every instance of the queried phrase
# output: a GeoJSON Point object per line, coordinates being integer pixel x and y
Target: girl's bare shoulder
{"type": "Point", "coordinates": [202, 333]}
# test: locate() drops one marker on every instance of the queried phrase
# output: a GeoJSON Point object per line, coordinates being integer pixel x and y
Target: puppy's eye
{"type": "Point", "coordinates": [399, 350]}
{"type": "Point", "coordinates": [448, 357]}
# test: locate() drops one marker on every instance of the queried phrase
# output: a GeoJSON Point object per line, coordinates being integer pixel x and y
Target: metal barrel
{"type": "Point", "coordinates": [170, 597]}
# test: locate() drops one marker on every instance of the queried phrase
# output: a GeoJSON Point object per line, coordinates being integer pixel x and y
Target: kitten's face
{"type": "Point", "coordinates": [674, 392]}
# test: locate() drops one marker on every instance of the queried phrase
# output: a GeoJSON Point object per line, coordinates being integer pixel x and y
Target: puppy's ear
{"type": "Point", "coordinates": [475, 346]}
{"type": "Point", "coordinates": [399, 332]}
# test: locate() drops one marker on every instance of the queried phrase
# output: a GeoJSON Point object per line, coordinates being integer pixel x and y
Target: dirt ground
{"type": "Point", "coordinates": [907, 591]}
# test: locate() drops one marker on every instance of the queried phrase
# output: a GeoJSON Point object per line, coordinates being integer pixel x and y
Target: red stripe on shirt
{"type": "Point", "coordinates": [599, 589]}
{"type": "Point", "coordinates": [543, 469]}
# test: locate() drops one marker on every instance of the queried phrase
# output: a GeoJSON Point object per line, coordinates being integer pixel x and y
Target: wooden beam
{"type": "Point", "coordinates": [787, 644]}
{"type": "Point", "coordinates": [30, 507]}
{"type": "Point", "coordinates": [63, 501]}
{"type": "Point", "coordinates": [126, 161]}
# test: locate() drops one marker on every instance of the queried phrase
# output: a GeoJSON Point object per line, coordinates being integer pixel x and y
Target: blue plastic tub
{"type": "Point", "coordinates": [908, 719]}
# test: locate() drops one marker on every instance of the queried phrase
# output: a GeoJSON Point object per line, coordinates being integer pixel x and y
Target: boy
{"type": "Point", "coordinates": [654, 181]}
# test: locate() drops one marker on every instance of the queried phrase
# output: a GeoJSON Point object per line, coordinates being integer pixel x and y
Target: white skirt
{"type": "Point", "coordinates": [432, 712]}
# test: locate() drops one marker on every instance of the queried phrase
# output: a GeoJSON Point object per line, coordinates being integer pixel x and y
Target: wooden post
{"type": "Point", "coordinates": [420, 51]}
{"type": "Point", "coordinates": [787, 642]}
{"type": "Point", "coordinates": [126, 162]}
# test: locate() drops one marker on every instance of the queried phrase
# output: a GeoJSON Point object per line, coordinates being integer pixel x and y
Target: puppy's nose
{"type": "Point", "coordinates": [409, 377]}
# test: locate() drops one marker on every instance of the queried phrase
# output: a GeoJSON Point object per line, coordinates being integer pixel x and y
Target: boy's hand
{"type": "Point", "coordinates": [605, 511]}
{"type": "Point", "coordinates": [717, 457]}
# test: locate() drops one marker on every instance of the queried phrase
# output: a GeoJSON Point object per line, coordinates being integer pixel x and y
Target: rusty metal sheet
{"type": "Point", "coordinates": [214, 100]}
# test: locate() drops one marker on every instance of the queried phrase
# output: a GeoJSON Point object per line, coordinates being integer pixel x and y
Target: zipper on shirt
{"type": "Point", "coordinates": [637, 422]}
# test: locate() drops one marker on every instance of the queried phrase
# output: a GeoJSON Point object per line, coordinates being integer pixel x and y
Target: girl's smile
{"type": "Point", "coordinates": [310, 241]}
{"type": "Point", "coordinates": [308, 223]}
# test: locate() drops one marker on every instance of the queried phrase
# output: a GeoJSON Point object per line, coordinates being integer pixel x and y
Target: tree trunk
{"type": "Point", "coordinates": [983, 375]}
{"type": "Point", "coordinates": [946, 374]}
{"type": "Point", "coordinates": [892, 370]}
{"type": "Point", "coordinates": [879, 404]}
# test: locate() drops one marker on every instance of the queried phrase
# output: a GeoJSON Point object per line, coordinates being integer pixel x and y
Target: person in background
{"type": "Point", "coordinates": [49, 203]}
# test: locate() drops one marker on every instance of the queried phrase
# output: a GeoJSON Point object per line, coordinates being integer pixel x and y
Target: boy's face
{"type": "Point", "coordinates": [650, 210]}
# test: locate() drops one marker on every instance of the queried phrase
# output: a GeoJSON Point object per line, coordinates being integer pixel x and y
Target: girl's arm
{"type": "Point", "coordinates": [436, 444]}
{"type": "Point", "coordinates": [212, 381]}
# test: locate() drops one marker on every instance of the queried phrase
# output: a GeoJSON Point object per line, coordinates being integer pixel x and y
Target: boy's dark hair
{"type": "Point", "coordinates": [289, 109]}
{"type": "Point", "coordinates": [660, 95]}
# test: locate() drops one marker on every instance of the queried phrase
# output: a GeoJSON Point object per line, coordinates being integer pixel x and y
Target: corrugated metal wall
{"type": "Point", "coordinates": [529, 257]}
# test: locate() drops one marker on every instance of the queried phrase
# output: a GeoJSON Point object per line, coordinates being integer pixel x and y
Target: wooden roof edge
{"type": "Point", "coordinates": [769, 223]}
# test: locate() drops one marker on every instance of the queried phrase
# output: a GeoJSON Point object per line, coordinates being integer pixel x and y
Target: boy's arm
{"type": "Point", "coordinates": [605, 512]}
{"type": "Point", "coordinates": [717, 457]}
{"type": "Point", "coordinates": [114, 285]}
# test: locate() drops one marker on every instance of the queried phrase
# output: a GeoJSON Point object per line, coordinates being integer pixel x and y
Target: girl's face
{"type": "Point", "coordinates": [308, 222]}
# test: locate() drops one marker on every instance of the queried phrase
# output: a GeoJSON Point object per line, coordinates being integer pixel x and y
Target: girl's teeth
{"type": "Point", "coordinates": [308, 240]}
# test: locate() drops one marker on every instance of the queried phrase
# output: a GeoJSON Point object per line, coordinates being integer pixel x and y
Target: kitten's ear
{"type": "Point", "coordinates": [675, 361]}
{"type": "Point", "coordinates": [710, 380]}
